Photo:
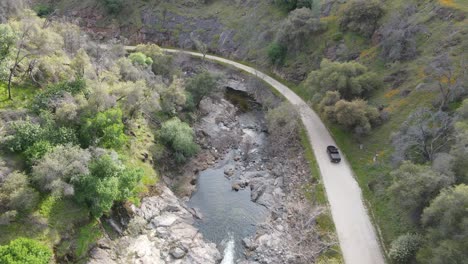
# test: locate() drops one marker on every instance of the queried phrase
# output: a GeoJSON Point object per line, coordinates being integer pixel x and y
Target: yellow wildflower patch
{"type": "Point", "coordinates": [391, 93]}
{"type": "Point", "coordinates": [369, 53]}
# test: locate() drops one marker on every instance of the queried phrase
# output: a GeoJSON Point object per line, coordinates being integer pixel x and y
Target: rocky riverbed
{"type": "Point", "coordinates": [165, 229]}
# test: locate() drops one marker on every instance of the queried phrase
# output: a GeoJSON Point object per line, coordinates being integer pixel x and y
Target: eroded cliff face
{"type": "Point", "coordinates": [230, 28]}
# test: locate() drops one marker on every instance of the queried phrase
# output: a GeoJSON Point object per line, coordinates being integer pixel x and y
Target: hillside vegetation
{"type": "Point", "coordinates": [388, 77]}
{"type": "Point", "coordinates": [82, 129]}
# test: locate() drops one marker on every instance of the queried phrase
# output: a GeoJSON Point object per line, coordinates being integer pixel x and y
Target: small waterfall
{"type": "Point", "coordinates": [229, 251]}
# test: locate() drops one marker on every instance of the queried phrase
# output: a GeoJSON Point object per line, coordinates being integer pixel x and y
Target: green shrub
{"type": "Point", "coordinates": [25, 251]}
{"type": "Point", "coordinates": [36, 139]}
{"type": "Point", "coordinates": [43, 10]}
{"type": "Point", "coordinates": [277, 53]}
{"type": "Point", "coordinates": [179, 137]}
{"type": "Point", "coordinates": [105, 129]}
{"type": "Point", "coordinates": [404, 248]}
{"type": "Point", "coordinates": [200, 86]}
{"type": "Point", "coordinates": [113, 6]}
{"type": "Point", "coordinates": [446, 221]}
{"type": "Point", "coordinates": [107, 182]}
{"type": "Point", "coordinates": [16, 193]}
{"type": "Point", "coordinates": [289, 5]}
{"type": "Point", "coordinates": [37, 151]}
{"type": "Point", "coordinates": [43, 100]}
{"type": "Point", "coordinates": [141, 59]}
{"type": "Point", "coordinates": [351, 79]}
{"type": "Point", "coordinates": [361, 17]}
{"type": "Point", "coordinates": [23, 135]}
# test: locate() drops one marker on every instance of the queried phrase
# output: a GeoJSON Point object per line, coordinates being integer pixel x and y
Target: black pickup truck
{"type": "Point", "coordinates": [334, 154]}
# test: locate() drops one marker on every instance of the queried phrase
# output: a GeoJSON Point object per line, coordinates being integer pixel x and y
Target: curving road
{"type": "Point", "coordinates": [356, 234]}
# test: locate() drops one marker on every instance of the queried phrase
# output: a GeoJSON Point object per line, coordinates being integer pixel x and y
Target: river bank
{"type": "Point", "coordinates": [236, 149]}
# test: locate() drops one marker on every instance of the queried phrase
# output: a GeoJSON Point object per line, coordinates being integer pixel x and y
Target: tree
{"type": "Point", "coordinates": [25, 251]}
{"type": "Point", "coordinates": [82, 65]}
{"type": "Point", "coordinates": [277, 53]}
{"type": "Point", "coordinates": [289, 5]}
{"type": "Point", "coordinates": [459, 150]}
{"type": "Point", "coordinates": [10, 8]}
{"type": "Point", "coordinates": [7, 40]}
{"type": "Point", "coordinates": [404, 248]}
{"type": "Point", "coordinates": [297, 28]}
{"type": "Point", "coordinates": [201, 85]}
{"type": "Point", "coordinates": [179, 137]}
{"type": "Point", "coordinates": [174, 97]}
{"type": "Point", "coordinates": [38, 150]}
{"type": "Point", "coordinates": [351, 79]}
{"type": "Point", "coordinates": [447, 229]}
{"type": "Point", "coordinates": [361, 17]}
{"type": "Point", "coordinates": [105, 129]}
{"type": "Point", "coordinates": [59, 169]}
{"type": "Point", "coordinates": [283, 126]}
{"type": "Point", "coordinates": [422, 135]}
{"type": "Point", "coordinates": [451, 80]}
{"type": "Point", "coordinates": [108, 181]}
{"type": "Point", "coordinates": [355, 116]}
{"type": "Point", "coordinates": [23, 134]}
{"type": "Point", "coordinates": [398, 36]}
{"type": "Point", "coordinates": [141, 59]}
{"type": "Point", "coordinates": [32, 40]}
{"type": "Point", "coordinates": [414, 186]}
{"type": "Point", "coordinates": [16, 193]}
{"type": "Point", "coordinates": [114, 6]}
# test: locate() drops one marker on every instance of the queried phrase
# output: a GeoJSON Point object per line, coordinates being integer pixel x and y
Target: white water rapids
{"type": "Point", "coordinates": [229, 251]}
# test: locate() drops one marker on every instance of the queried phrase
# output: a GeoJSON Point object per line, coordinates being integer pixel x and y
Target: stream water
{"type": "Point", "coordinates": [229, 216]}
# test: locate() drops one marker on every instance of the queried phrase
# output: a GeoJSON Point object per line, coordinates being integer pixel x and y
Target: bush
{"type": "Point", "coordinates": [35, 139]}
{"type": "Point", "coordinates": [422, 135]}
{"type": "Point", "coordinates": [114, 6]}
{"type": "Point", "coordinates": [289, 5]}
{"type": "Point", "coordinates": [404, 248]}
{"type": "Point", "coordinates": [35, 152]}
{"type": "Point", "coordinates": [25, 251]}
{"type": "Point", "coordinates": [414, 186]}
{"type": "Point", "coordinates": [283, 126]}
{"type": "Point", "coordinates": [298, 27]}
{"type": "Point", "coordinates": [43, 10]}
{"type": "Point", "coordinates": [361, 17]}
{"type": "Point", "coordinates": [351, 79]}
{"type": "Point", "coordinates": [105, 129]}
{"type": "Point", "coordinates": [447, 230]}
{"type": "Point", "coordinates": [58, 169]}
{"type": "Point", "coordinates": [201, 85]}
{"type": "Point", "coordinates": [179, 136]}
{"type": "Point", "coordinates": [43, 101]}
{"type": "Point", "coordinates": [108, 181]}
{"type": "Point", "coordinates": [277, 53]}
{"type": "Point", "coordinates": [23, 134]}
{"type": "Point", "coordinates": [16, 194]}
{"type": "Point", "coordinates": [141, 59]}
{"type": "Point", "coordinates": [356, 116]}
{"type": "Point", "coordinates": [174, 97]}
{"type": "Point", "coordinates": [399, 37]}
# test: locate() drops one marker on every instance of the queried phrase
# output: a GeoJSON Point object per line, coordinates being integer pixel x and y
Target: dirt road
{"type": "Point", "coordinates": [356, 234]}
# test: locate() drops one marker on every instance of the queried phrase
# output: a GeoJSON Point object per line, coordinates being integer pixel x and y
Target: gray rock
{"type": "Point", "coordinates": [236, 187]}
{"type": "Point", "coordinates": [167, 219]}
{"type": "Point", "coordinates": [177, 252]}
{"type": "Point", "coordinates": [248, 243]}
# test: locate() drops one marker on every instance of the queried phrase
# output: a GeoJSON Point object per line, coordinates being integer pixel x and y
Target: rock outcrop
{"type": "Point", "coordinates": [160, 231]}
